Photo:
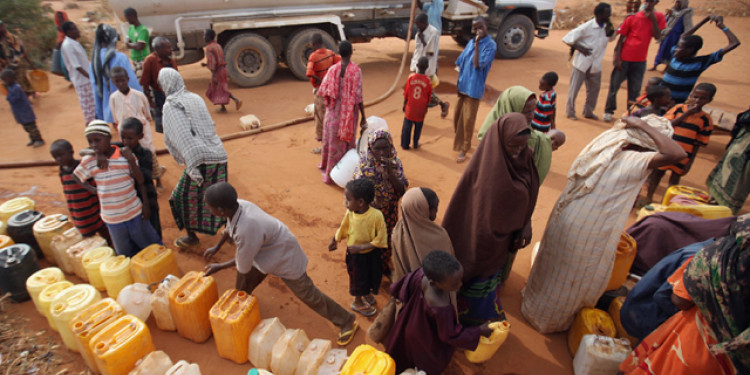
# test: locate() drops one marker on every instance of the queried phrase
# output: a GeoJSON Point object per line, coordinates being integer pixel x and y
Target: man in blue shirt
{"type": "Point", "coordinates": [474, 64]}
{"type": "Point", "coordinates": [685, 67]}
{"type": "Point", "coordinates": [21, 107]}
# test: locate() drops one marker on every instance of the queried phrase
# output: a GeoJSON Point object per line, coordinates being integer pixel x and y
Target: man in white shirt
{"type": "Point", "coordinates": [589, 41]}
{"type": "Point", "coordinates": [426, 44]}
{"type": "Point", "coordinates": [77, 62]}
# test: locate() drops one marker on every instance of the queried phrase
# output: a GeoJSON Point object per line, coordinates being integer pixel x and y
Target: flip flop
{"type": "Point", "coordinates": [370, 299]}
{"type": "Point", "coordinates": [346, 337]}
{"type": "Point", "coordinates": [237, 105]}
{"type": "Point", "coordinates": [182, 243]}
{"type": "Point", "coordinates": [316, 150]}
{"type": "Point", "coordinates": [365, 309]}
{"type": "Point", "coordinates": [461, 159]}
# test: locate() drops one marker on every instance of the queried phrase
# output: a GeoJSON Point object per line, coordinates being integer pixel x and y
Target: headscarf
{"type": "Point", "coordinates": [593, 160]}
{"type": "Point", "coordinates": [384, 190]}
{"type": "Point", "coordinates": [189, 131]}
{"type": "Point", "coordinates": [347, 90]}
{"type": "Point", "coordinates": [512, 99]}
{"type": "Point", "coordinates": [106, 38]}
{"type": "Point", "coordinates": [415, 235]}
{"type": "Point", "coordinates": [494, 199]}
{"type": "Point", "coordinates": [687, 22]}
{"type": "Point", "coordinates": [718, 281]}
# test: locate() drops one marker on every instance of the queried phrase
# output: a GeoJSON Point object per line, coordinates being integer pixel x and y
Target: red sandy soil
{"type": "Point", "coordinates": [277, 171]}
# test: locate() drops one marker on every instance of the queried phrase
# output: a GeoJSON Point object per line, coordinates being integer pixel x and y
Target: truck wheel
{"type": "Point", "coordinates": [251, 60]}
{"type": "Point", "coordinates": [514, 37]}
{"type": "Point", "coordinates": [298, 50]}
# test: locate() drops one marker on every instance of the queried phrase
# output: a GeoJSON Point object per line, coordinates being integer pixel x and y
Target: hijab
{"type": "Point", "coordinates": [368, 168]}
{"type": "Point", "coordinates": [106, 38]}
{"type": "Point", "coordinates": [189, 131]}
{"type": "Point", "coordinates": [685, 13]}
{"type": "Point", "coordinates": [512, 99]}
{"type": "Point", "coordinates": [494, 199]}
{"type": "Point", "coordinates": [415, 235]}
{"type": "Point", "coordinates": [718, 281]}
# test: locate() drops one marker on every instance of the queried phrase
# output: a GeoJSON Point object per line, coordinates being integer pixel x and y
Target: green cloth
{"type": "Point", "coordinates": [542, 146]}
{"type": "Point", "coordinates": [139, 34]}
{"type": "Point", "coordinates": [513, 99]}
{"type": "Point", "coordinates": [729, 181]}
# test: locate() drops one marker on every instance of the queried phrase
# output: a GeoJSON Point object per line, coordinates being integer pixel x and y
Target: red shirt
{"type": "Point", "coordinates": [417, 93]}
{"type": "Point", "coordinates": [638, 31]}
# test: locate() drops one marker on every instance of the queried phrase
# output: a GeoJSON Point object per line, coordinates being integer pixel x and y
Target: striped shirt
{"type": "Point", "coordinates": [82, 204]}
{"type": "Point", "coordinates": [691, 132]}
{"type": "Point", "coordinates": [545, 108]}
{"type": "Point", "coordinates": [681, 76]}
{"type": "Point", "coordinates": [115, 187]}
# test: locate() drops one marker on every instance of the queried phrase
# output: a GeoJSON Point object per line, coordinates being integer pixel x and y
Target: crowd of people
{"type": "Point", "coordinates": [445, 278]}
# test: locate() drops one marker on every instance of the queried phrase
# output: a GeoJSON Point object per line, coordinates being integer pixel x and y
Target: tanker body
{"type": "Point", "coordinates": [258, 34]}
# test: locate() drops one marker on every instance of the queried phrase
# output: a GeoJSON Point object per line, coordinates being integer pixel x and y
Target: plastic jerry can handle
{"type": "Point", "coordinates": [124, 333]}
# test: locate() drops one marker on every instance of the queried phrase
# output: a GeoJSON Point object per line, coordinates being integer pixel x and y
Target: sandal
{"type": "Point", "coordinates": [346, 337]}
{"type": "Point", "coordinates": [370, 299]}
{"type": "Point", "coordinates": [461, 158]}
{"type": "Point", "coordinates": [185, 242]}
{"type": "Point", "coordinates": [316, 151]}
{"type": "Point", "coordinates": [237, 105]}
{"type": "Point", "coordinates": [365, 309]}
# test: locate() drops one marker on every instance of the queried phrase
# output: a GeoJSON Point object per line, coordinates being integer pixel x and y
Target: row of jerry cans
{"type": "Point", "coordinates": [365, 360]}
{"type": "Point", "coordinates": [109, 340]}
{"type": "Point", "coordinates": [159, 363]}
{"type": "Point", "coordinates": [90, 259]}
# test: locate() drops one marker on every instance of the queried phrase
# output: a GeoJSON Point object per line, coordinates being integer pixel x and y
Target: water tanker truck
{"type": "Point", "coordinates": [259, 34]}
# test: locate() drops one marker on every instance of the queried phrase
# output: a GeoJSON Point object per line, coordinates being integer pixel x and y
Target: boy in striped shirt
{"type": "Point", "coordinates": [116, 173]}
{"type": "Point", "coordinates": [692, 130]}
{"type": "Point", "coordinates": [546, 106]}
{"type": "Point", "coordinates": [82, 204]}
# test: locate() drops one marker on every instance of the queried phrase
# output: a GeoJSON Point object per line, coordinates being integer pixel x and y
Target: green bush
{"type": "Point", "coordinates": [31, 22]}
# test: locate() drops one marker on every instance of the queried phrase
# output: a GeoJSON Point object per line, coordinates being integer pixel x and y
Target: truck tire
{"type": "Point", "coordinates": [298, 50]}
{"type": "Point", "coordinates": [514, 37]}
{"type": "Point", "coordinates": [251, 60]}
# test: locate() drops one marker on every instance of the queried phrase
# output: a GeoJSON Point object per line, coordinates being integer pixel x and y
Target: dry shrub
{"type": "Point", "coordinates": [31, 22]}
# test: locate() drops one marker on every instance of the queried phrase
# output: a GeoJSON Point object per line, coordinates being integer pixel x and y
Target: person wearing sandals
{"type": "Point", "coordinates": [265, 246]}
{"type": "Point", "coordinates": [190, 136]}
{"type": "Point", "coordinates": [364, 230]}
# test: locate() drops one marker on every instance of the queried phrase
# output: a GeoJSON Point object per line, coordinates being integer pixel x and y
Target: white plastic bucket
{"type": "Point", "coordinates": [344, 170]}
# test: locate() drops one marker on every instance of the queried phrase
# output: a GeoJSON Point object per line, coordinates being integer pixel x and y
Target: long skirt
{"type": "Point", "coordinates": [218, 88]}
{"type": "Point", "coordinates": [188, 207]}
{"type": "Point", "coordinates": [479, 300]}
{"type": "Point", "coordinates": [333, 147]}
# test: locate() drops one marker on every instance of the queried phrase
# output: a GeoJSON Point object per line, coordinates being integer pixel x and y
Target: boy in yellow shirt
{"type": "Point", "coordinates": [364, 229]}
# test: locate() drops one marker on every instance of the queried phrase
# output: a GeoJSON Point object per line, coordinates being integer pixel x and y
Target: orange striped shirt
{"type": "Point", "coordinates": [691, 132]}
{"type": "Point", "coordinates": [114, 186]}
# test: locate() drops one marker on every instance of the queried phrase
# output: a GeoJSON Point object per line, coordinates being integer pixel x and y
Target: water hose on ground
{"type": "Point", "coordinates": [279, 125]}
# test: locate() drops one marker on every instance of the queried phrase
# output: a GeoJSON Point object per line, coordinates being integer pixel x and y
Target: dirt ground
{"type": "Point", "coordinates": [277, 171]}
